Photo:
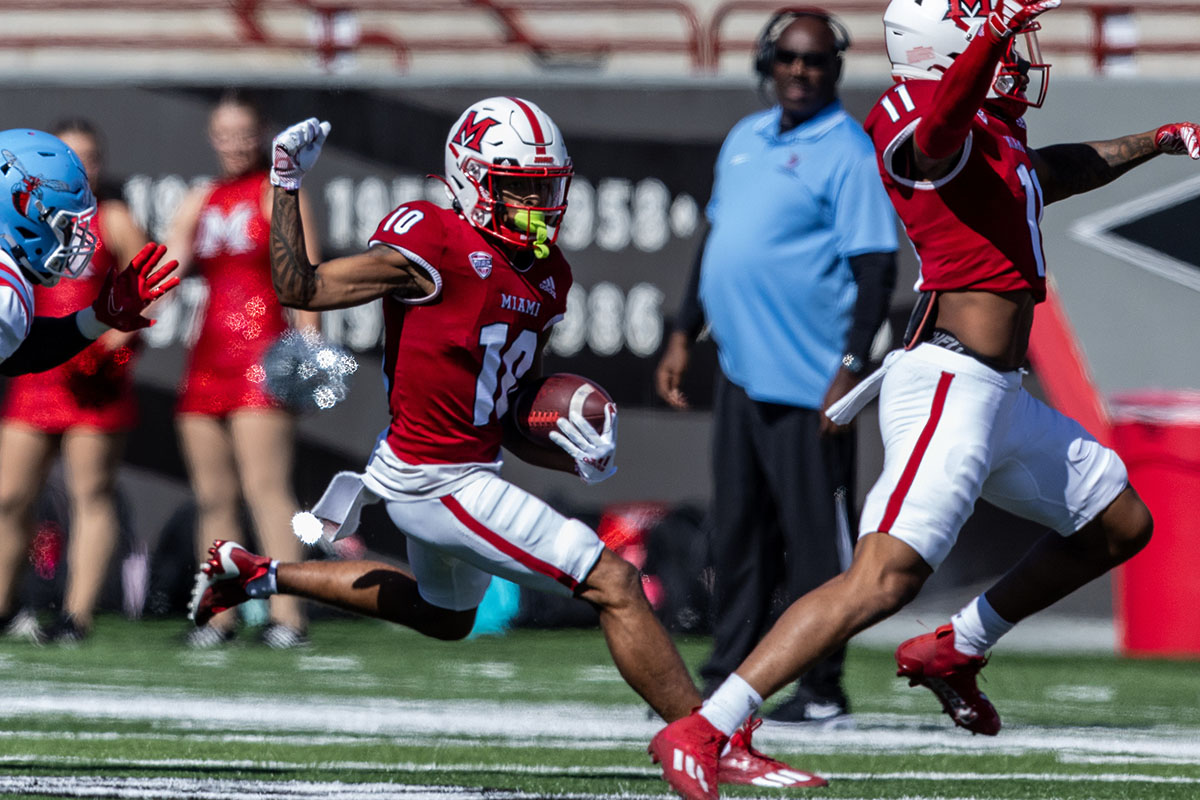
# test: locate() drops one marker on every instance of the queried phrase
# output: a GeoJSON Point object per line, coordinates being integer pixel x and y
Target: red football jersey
{"type": "Point", "coordinates": [978, 227]}
{"type": "Point", "coordinates": [451, 360]}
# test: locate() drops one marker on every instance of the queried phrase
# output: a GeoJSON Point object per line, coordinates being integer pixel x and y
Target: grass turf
{"type": "Point", "coordinates": [371, 710]}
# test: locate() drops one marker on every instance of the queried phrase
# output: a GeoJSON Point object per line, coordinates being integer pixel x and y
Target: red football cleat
{"type": "Point", "coordinates": [688, 750]}
{"type": "Point", "coordinates": [742, 764]}
{"type": "Point", "coordinates": [231, 576]}
{"type": "Point", "coordinates": [931, 661]}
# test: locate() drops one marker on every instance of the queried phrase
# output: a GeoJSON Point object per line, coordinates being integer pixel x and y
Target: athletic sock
{"type": "Point", "coordinates": [731, 704]}
{"type": "Point", "coordinates": [978, 627]}
{"type": "Point", "coordinates": [264, 586]}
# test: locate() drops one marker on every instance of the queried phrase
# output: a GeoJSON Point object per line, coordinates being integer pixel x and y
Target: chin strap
{"type": "Point", "coordinates": [534, 224]}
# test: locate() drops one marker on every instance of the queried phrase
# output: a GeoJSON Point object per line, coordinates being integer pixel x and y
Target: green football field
{"type": "Point", "coordinates": [372, 711]}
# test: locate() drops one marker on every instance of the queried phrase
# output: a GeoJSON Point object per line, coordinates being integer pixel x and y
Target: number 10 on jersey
{"type": "Point", "coordinates": [515, 360]}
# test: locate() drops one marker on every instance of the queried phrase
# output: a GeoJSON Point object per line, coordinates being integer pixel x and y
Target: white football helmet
{"type": "Point", "coordinates": [923, 37]}
{"type": "Point", "coordinates": [505, 155]}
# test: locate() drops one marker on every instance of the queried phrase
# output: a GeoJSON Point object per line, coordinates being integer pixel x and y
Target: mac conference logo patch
{"type": "Point", "coordinates": [481, 262]}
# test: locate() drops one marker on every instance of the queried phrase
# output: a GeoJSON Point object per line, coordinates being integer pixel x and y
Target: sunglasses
{"type": "Point", "coordinates": [810, 60]}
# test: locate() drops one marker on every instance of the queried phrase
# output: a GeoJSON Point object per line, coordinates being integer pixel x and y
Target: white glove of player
{"type": "Point", "coordinates": [594, 453]}
{"type": "Point", "coordinates": [295, 150]}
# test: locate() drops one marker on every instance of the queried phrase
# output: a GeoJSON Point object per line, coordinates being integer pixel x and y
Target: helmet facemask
{"type": "Point", "coordinates": [520, 205]}
{"type": "Point", "coordinates": [76, 244]}
{"type": "Point", "coordinates": [1022, 75]}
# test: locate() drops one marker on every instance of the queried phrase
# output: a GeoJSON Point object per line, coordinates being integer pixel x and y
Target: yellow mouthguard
{"type": "Point", "coordinates": [534, 223]}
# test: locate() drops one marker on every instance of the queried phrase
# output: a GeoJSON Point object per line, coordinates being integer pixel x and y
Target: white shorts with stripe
{"type": "Point", "coordinates": [955, 430]}
{"type": "Point", "coordinates": [464, 523]}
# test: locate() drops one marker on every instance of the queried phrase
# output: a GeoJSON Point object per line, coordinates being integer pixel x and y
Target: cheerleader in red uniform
{"type": "Point", "coordinates": [84, 409]}
{"type": "Point", "coordinates": [237, 441]}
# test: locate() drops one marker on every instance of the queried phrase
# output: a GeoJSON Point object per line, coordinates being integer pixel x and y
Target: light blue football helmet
{"type": "Point", "coordinates": [46, 206]}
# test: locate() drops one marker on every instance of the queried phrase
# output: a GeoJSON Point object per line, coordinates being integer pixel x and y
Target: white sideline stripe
{"type": "Point", "coordinates": [293, 739]}
{"type": "Point", "coordinates": [312, 740]}
{"type": "Point", "coordinates": [33, 760]}
{"type": "Point", "coordinates": [225, 789]}
{"type": "Point", "coordinates": [550, 771]}
{"type": "Point", "coordinates": [1072, 758]}
{"type": "Point", "coordinates": [516, 724]}
{"type": "Point", "coordinates": [1065, 777]}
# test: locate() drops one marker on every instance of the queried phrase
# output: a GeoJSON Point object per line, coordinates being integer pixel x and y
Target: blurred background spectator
{"type": "Point", "coordinates": [237, 440]}
{"type": "Point", "coordinates": [793, 280]}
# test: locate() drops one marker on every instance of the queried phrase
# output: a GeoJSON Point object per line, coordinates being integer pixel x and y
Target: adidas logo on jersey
{"type": "Point", "coordinates": [547, 286]}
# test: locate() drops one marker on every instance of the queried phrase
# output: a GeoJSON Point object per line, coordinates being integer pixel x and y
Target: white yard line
{"type": "Point", "coordinates": [224, 789]}
{"type": "Point", "coordinates": [567, 771]}
{"type": "Point", "coordinates": [516, 724]}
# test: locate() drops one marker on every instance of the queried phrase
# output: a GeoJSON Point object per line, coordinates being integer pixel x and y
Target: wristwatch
{"type": "Point", "coordinates": [853, 364]}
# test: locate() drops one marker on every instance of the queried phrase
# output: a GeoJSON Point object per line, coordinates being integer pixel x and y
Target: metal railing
{"type": "Point", "coordinates": [334, 28]}
{"type": "Point", "coordinates": [1112, 28]}
{"type": "Point", "coordinates": [657, 27]}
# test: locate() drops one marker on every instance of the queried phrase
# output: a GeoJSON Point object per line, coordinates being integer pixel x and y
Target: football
{"type": "Point", "coordinates": [539, 405]}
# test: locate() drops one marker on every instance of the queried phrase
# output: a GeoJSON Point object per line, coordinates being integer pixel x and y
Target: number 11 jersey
{"type": "Point", "coordinates": [978, 227]}
{"type": "Point", "coordinates": [452, 359]}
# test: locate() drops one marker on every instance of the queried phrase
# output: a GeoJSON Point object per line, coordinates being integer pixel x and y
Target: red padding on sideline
{"type": "Point", "coordinates": [1062, 369]}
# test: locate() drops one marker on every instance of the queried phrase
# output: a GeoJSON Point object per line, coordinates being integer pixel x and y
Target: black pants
{"type": "Point", "coordinates": [782, 499]}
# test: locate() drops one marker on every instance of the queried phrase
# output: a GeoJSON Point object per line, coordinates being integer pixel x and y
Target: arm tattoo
{"type": "Point", "coordinates": [294, 277]}
{"type": "Point", "coordinates": [1077, 168]}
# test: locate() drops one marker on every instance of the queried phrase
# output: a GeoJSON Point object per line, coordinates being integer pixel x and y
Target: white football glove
{"type": "Point", "coordinates": [594, 453]}
{"type": "Point", "coordinates": [295, 150]}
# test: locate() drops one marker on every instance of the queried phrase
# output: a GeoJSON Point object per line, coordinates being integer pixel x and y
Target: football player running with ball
{"type": "Point", "coordinates": [469, 296]}
{"type": "Point", "coordinates": [956, 424]}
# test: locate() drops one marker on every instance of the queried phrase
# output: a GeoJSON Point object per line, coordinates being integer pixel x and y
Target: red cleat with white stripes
{"type": "Point", "coordinates": [688, 750]}
{"type": "Point", "coordinates": [231, 576]}
{"type": "Point", "coordinates": [742, 764]}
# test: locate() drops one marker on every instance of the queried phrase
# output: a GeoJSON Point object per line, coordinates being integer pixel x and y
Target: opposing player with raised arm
{"type": "Point", "coordinates": [469, 296]}
{"type": "Point", "coordinates": [956, 423]}
{"type": "Point", "coordinates": [78, 413]}
{"type": "Point", "coordinates": [44, 236]}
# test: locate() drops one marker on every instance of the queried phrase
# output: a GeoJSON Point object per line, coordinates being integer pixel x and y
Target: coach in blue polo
{"type": "Point", "coordinates": [794, 280]}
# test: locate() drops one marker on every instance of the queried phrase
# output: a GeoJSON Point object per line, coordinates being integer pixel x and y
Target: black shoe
{"type": "Point", "coordinates": [66, 630]}
{"type": "Point", "coordinates": [809, 706]}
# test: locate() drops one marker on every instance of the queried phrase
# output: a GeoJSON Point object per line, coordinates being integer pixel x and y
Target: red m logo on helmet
{"type": "Point", "coordinates": [470, 133]}
{"type": "Point", "coordinates": [957, 10]}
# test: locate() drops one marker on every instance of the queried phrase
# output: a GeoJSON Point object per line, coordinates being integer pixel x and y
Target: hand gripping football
{"type": "Point", "coordinates": [539, 405]}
